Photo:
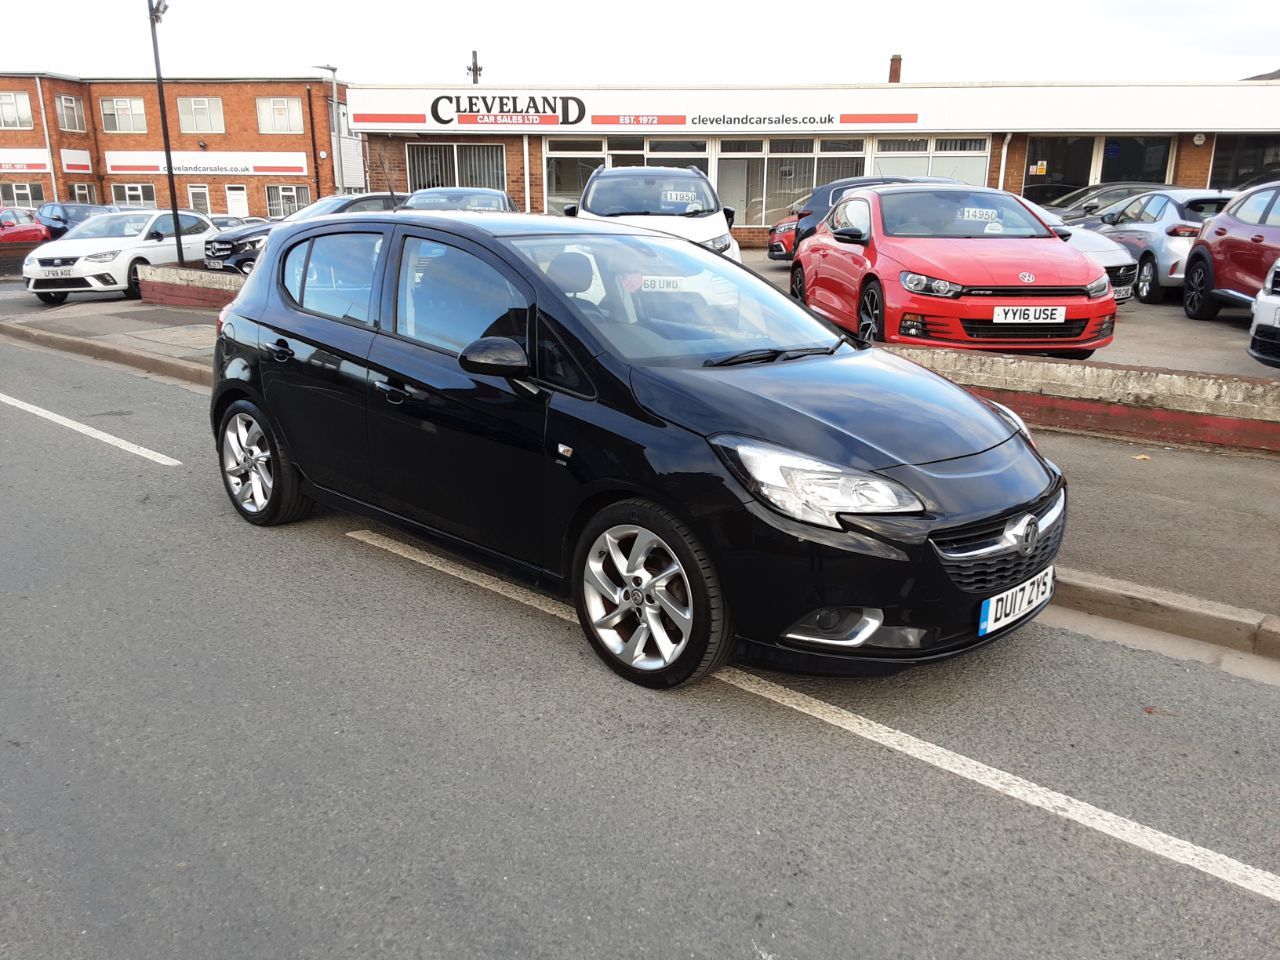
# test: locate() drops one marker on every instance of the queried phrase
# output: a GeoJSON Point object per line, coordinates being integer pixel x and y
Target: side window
{"type": "Point", "coordinates": [295, 266]}
{"type": "Point", "coordinates": [24, 217]}
{"type": "Point", "coordinates": [1153, 210]}
{"type": "Point", "coordinates": [1273, 215]}
{"type": "Point", "coordinates": [339, 277]}
{"type": "Point", "coordinates": [191, 225]}
{"type": "Point", "coordinates": [1130, 213]}
{"type": "Point", "coordinates": [7, 219]}
{"type": "Point", "coordinates": [164, 225]}
{"type": "Point", "coordinates": [1250, 210]}
{"type": "Point", "coordinates": [448, 298]}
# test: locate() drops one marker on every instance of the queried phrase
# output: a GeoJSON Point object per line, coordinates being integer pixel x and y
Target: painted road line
{"type": "Point", "coordinates": [1010, 785]}
{"type": "Point", "coordinates": [89, 431]}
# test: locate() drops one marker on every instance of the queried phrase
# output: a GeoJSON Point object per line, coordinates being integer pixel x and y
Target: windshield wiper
{"type": "Point", "coordinates": [696, 213]}
{"type": "Point", "coordinates": [806, 352]}
{"type": "Point", "coordinates": [746, 356]}
{"type": "Point", "coordinates": [630, 213]}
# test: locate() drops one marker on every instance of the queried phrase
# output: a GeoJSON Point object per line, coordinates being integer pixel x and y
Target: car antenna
{"type": "Point", "coordinates": [386, 176]}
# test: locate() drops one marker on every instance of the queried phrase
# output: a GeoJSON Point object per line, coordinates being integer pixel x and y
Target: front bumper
{"type": "Point", "coordinates": [81, 277]}
{"type": "Point", "coordinates": [782, 245]}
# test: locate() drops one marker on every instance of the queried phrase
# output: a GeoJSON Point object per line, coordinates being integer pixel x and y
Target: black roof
{"type": "Point", "coordinates": [482, 224]}
{"type": "Point", "coordinates": [660, 171]}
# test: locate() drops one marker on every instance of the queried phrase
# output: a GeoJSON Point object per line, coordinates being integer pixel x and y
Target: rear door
{"type": "Point", "coordinates": [460, 452]}
{"type": "Point", "coordinates": [314, 344]}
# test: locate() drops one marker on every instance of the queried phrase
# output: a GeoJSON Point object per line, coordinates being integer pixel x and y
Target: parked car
{"type": "Point", "coordinates": [675, 200]}
{"type": "Point", "coordinates": [19, 225]}
{"type": "Point", "coordinates": [811, 211]}
{"type": "Point", "coordinates": [248, 220]}
{"type": "Point", "coordinates": [1121, 268]}
{"type": "Point", "coordinates": [237, 249]}
{"type": "Point", "coordinates": [1087, 200]}
{"type": "Point", "coordinates": [104, 252]}
{"type": "Point", "coordinates": [459, 198]}
{"type": "Point", "coordinates": [1158, 230]}
{"type": "Point", "coordinates": [703, 478]}
{"type": "Point", "coordinates": [1264, 333]}
{"type": "Point", "coordinates": [1230, 258]}
{"type": "Point", "coordinates": [782, 235]}
{"type": "Point", "coordinates": [1047, 192]}
{"type": "Point", "coordinates": [225, 221]}
{"type": "Point", "coordinates": [953, 266]}
{"type": "Point", "coordinates": [61, 217]}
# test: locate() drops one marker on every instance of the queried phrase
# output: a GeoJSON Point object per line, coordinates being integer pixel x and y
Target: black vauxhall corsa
{"type": "Point", "coordinates": [705, 466]}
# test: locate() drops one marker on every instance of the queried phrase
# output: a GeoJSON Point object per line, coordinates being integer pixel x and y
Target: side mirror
{"type": "Point", "coordinates": [495, 357]}
{"type": "Point", "coordinates": [57, 218]}
{"type": "Point", "coordinates": [155, 235]}
{"type": "Point", "coordinates": [729, 214]}
{"type": "Point", "coordinates": [1062, 233]}
{"type": "Point", "coordinates": [849, 235]}
{"type": "Point", "coordinates": [571, 210]}
{"type": "Point", "coordinates": [1108, 218]}
{"type": "Point", "coordinates": [1091, 206]}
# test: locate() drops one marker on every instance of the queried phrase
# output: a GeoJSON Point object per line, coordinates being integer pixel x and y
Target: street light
{"type": "Point", "coordinates": [155, 10]}
{"type": "Point", "coordinates": [335, 124]}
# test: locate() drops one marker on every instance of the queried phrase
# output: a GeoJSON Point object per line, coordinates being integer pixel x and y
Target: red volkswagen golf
{"type": "Point", "coordinates": [953, 266]}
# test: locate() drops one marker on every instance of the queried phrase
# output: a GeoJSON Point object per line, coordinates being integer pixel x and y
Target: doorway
{"type": "Point", "coordinates": [237, 201]}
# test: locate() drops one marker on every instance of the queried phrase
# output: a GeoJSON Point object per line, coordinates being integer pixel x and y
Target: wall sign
{"type": "Point", "coordinates": [206, 162]}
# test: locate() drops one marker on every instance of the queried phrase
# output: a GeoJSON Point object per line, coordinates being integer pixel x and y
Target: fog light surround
{"type": "Point", "coordinates": [1108, 325]}
{"type": "Point", "coordinates": [912, 325]}
{"type": "Point", "coordinates": [837, 626]}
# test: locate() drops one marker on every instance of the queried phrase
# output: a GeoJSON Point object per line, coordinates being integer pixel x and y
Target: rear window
{"type": "Point", "coordinates": [957, 214]}
{"type": "Point", "coordinates": [1199, 209]}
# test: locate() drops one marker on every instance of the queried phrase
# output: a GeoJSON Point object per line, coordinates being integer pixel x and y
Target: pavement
{"type": "Point", "coordinates": [222, 741]}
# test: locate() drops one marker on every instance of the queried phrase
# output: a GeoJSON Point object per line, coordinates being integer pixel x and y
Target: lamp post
{"type": "Point", "coordinates": [155, 10]}
{"type": "Point", "coordinates": [335, 123]}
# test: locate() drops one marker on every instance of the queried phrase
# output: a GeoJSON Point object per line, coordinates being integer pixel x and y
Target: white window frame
{"type": "Point", "coordinates": [136, 111]}
{"type": "Point", "coordinates": [277, 103]}
{"type": "Point", "coordinates": [196, 188]}
{"type": "Point", "coordinates": [485, 143]}
{"type": "Point", "coordinates": [16, 191]}
{"type": "Point", "coordinates": [14, 99]}
{"type": "Point", "coordinates": [134, 191]}
{"type": "Point", "coordinates": [212, 111]}
{"type": "Point", "coordinates": [278, 210]}
{"type": "Point", "coordinates": [73, 108]}
{"type": "Point", "coordinates": [84, 192]}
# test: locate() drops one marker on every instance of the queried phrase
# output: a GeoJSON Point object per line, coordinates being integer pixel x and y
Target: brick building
{"type": "Point", "coordinates": [765, 148]}
{"type": "Point", "coordinates": [258, 147]}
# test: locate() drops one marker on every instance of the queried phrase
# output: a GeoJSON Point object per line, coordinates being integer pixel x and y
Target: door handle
{"type": "Point", "coordinates": [280, 351]}
{"type": "Point", "coordinates": [1257, 238]}
{"type": "Point", "coordinates": [393, 394]}
{"type": "Point", "coordinates": [1220, 232]}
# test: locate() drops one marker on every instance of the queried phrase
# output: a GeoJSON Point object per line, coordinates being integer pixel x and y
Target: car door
{"type": "Point", "coordinates": [1124, 230]}
{"type": "Point", "coordinates": [1146, 230]}
{"type": "Point", "coordinates": [846, 264]}
{"type": "Point", "coordinates": [460, 452]}
{"type": "Point", "coordinates": [313, 347]}
{"type": "Point", "coordinates": [1241, 246]}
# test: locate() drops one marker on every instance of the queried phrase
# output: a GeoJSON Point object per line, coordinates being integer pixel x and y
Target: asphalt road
{"type": "Point", "coordinates": [218, 741]}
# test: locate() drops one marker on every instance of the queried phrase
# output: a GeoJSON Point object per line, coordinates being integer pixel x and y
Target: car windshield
{"type": "Point", "coordinates": [456, 200]}
{"type": "Point", "coordinates": [666, 301]}
{"type": "Point", "coordinates": [957, 214]}
{"type": "Point", "coordinates": [318, 209]}
{"type": "Point", "coordinates": [650, 193]}
{"type": "Point", "coordinates": [110, 225]}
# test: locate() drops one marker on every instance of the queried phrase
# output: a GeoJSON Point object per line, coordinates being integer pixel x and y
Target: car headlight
{"type": "Point", "coordinates": [784, 227]}
{"type": "Point", "coordinates": [254, 243]}
{"type": "Point", "coordinates": [29, 262]}
{"type": "Point", "coordinates": [933, 287]}
{"type": "Point", "coordinates": [1098, 288]}
{"type": "Point", "coordinates": [106, 256]}
{"type": "Point", "coordinates": [720, 244]}
{"type": "Point", "coordinates": [811, 490]}
{"type": "Point", "coordinates": [1014, 420]}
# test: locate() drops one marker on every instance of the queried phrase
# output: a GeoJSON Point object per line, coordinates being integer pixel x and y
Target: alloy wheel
{"type": "Point", "coordinates": [797, 284]}
{"type": "Point", "coordinates": [869, 314]}
{"type": "Point", "coordinates": [1146, 277]}
{"type": "Point", "coordinates": [1195, 288]}
{"type": "Point", "coordinates": [246, 461]}
{"type": "Point", "coordinates": [637, 597]}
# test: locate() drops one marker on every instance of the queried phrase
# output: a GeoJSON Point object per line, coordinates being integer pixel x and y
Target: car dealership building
{"type": "Point", "coordinates": [766, 147]}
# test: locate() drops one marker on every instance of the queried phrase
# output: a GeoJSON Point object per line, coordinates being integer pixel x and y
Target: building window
{"type": "Point", "coordinates": [279, 115]}
{"type": "Point", "coordinates": [200, 115]}
{"type": "Point", "coordinates": [1244, 157]}
{"type": "Point", "coordinates": [15, 111]}
{"type": "Point", "coordinates": [21, 194]}
{"type": "Point", "coordinates": [84, 192]}
{"type": "Point", "coordinates": [456, 165]}
{"type": "Point", "coordinates": [123, 115]}
{"type": "Point", "coordinates": [901, 157]}
{"type": "Point", "coordinates": [198, 197]}
{"type": "Point", "coordinates": [960, 158]}
{"type": "Point", "coordinates": [285, 199]}
{"type": "Point", "coordinates": [71, 114]}
{"type": "Point", "coordinates": [133, 194]}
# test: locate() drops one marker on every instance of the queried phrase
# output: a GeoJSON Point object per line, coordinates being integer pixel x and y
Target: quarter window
{"type": "Point", "coordinates": [15, 111]}
{"type": "Point", "coordinates": [123, 115]}
{"type": "Point", "coordinates": [1153, 210]}
{"type": "Point", "coordinates": [279, 115]}
{"type": "Point", "coordinates": [449, 298]}
{"type": "Point", "coordinates": [338, 277]}
{"type": "Point", "coordinates": [200, 115]}
{"type": "Point", "coordinates": [71, 114]}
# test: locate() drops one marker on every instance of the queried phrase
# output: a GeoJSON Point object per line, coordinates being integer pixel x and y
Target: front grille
{"type": "Point", "coordinates": [1123, 276]}
{"type": "Point", "coordinates": [1266, 341]}
{"type": "Point", "coordinates": [217, 248]}
{"type": "Point", "coordinates": [1275, 282]}
{"type": "Point", "coordinates": [989, 330]}
{"type": "Point", "coordinates": [57, 261]}
{"type": "Point", "coordinates": [63, 283]}
{"type": "Point", "coordinates": [1028, 291]}
{"type": "Point", "coordinates": [993, 573]}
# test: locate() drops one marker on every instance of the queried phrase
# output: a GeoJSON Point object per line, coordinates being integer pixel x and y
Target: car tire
{"type": "Point", "coordinates": [52, 298]}
{"type": "Point", "coordinates": [133, 286]}
{"type": "Point", "coordinates": [1197, 292]}
{"type": "Point", "coordinates": [1073, 354]}
{"type": "Point", "coordinates": [257, 471]}
{"type": "Point", "coordinates": [638, 567]}
{"type": "Point", "coordinates": [797, 283]}
{"type": "Point", "coordinates": [1146, 285]}
{"type": "Point", "coordinates": [871, 312]}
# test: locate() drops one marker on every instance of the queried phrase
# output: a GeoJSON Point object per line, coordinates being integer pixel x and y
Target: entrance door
{"type": "Point", "coordinates": [1057, 165]}
{"type": "Point", "coordinates": [237, 201]}
{"type": "Point", "coordinates": [1144, 159]}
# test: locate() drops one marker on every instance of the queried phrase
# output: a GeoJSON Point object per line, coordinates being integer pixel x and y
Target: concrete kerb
{"type": "Point", "coordinates": [152, 363]}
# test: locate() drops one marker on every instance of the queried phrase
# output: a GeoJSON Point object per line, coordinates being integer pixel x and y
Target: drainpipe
{"type": "Point", "coordinates": [44, 122]}
{"type": "Point", "coordinates": [526, 174]}
{"type": "Point", "coordinates": [315, 160]}
{"type": "Point", "coordinates": [1004, 158]}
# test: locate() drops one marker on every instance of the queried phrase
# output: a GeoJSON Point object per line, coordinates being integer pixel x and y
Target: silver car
{"type": "Point", "coordinates": [1120, 266]}
{"type": "Point", "coordinates": [1158, 228]}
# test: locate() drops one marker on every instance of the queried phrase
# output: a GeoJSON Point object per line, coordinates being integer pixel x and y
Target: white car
{"type": "Point", "coordinates": [1122, 269]}
{"type": "Point", "coordinates": [675, 200]}
{"type": "Point", "coordinates": [104, 252]}
{"type": "Point", "coordinates": [1264, 334]}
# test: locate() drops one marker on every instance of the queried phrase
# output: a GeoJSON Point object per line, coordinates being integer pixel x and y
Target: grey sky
{"type": "Point", "coordinates": [667, 42]}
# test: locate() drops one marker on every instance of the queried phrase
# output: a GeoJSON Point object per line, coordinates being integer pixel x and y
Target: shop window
{"type": "Point", "coordinates": [700, 162]}
{"type": "Point", "coordinates": [627, 143]}
{"type": "Point", "coordinates": [902, 145]}
{"type": "Point", "coordinates": [457, 165]}
{"type": "Point", "coordinates": [960, 144]}
{"type": "Point", "coordinates": [133, 194]}
{"type": "Point", "coordinates": [279, 114]}
{"type": "Point", "coordinates": [15, 111]}
{"type": "Point", "coordinates": [123, 115]}
{"type": "Point", "coordinates": [1144, 159]}
{"type": "Point", "coordinates": [787, 180]}
{"type": "Point", "coordinates": [284, 199]}
{"type": "Point", "coordinates": [790, 145]}
{"type": "Point", "coordinates": [677, 146]}
{"type": "Point", "coordinates": [200, 115]}
{"type": "Point", "coordinates": [574, 146]}
{"type": "Point", "coordinates": [1244, 159]}
{"type": "Point", "coordinates": [740, 184]}
{"type": "Point", "coordinates": [837, 168]}
{"type": "Point", "coordinates": [566, 178]}
{"type": "Point", "coordinates": [742, 146]}
{"type": "Point", "coordinates": [21, 194]}
{"type": "Point", "coordinates": [968, 169]}
{"type": "Point", "coordinates": [71, 114]}
{"type": "Point", "coordinates": [840, 146]}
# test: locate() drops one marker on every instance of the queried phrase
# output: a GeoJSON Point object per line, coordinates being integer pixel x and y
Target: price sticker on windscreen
{"type": "Point", "coordinates": [679, 196]}
{"type": "Point", "coordinates": [983, 214]}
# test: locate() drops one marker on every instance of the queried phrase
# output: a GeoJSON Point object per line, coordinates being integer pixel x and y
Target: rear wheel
{"type": "Point", "coordinates": [1147, 286]}
{"type": "Point", "coordinates": [797, 283]}
{"type": "Point", "coordinates": [53, 298]}
{"type": "Point", "coordinates": [648, 596]}
{"type": "Point", "coordinates": [257, 471]}
{"type": "Point", "coordinates": [871, 312]}
{"type": "Point", "coordinates": [1197, 293]}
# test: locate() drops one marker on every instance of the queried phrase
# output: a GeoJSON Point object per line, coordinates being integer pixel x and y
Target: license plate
{"type": "Point", "coordinates": [1123, 293]}
{"type": "Point", "coordinates": [57, 273]}
{"type": "Point", "coordinates": [212, 264]}
{"type": "Point", "coordinates": [1013, 605]}
{"type": "Point", "coordinates": [1030, 315]}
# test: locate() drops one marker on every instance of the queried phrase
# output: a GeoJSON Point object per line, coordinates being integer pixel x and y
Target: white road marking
{"type": "Point", "coordinates": [89, 431]}
{"type": "Point", "coordinates": [1010, 785]}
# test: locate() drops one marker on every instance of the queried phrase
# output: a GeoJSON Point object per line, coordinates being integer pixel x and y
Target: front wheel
{"type": "Point", "coordinates": [133, 286]}
{"type": "Point", "coordinates": [52, 298]}
{"type": "Point", "coordinates": [1197, 296]}
{"type": "Point", "coordinates": [871, 312]}
{"type": "Point", "coordinates": [648, 596]}
{"type": "Point", "coordinates": [797, 283]}
{"type": "Point", "coordinates": [1148, 287]}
